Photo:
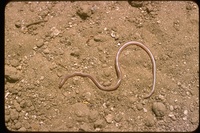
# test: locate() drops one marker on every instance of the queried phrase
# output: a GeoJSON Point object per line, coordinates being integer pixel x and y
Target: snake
{"type": "Point", "coordinates": [117, 69]}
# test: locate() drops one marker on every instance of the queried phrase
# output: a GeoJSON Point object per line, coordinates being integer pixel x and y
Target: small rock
{"type": "Point", "coordinates": [93, 115]}
{"type": "Point", "coordinates": [145, 110]}
{"type": "Point", "coordinates": [87, 96]}
{"type": "Point", "coordinates": [12, 74]}
{"type": "Point", "coordinates": [134, 3]}
{"type": "Point", "coordinates": [133, 99]}
{"type": "Point", "coordinates": [100, 38]}
{"type": "Point", "coordinates": [22, 104]}
{"type": "Point", "coordinates": [107, 72]}
{"type": "Point", "coordinates": [149, 121]}
{"type": "Point", "coordinates": [107, 83]}
{"type": "Point", "coordinates": [22, 129]}
{"type": "Point", "coordinates": [17, 106]}
{"type": "Point", "coordinates": [28, 103]}
{"type": "Point", "coordinates": [84, 11]}
{"type": "Point", "coordinates": [185, 112]}
{"type": "Point", "coordinates": [75, 52]}
{"type": "Point", "coordinates": [81, 110]}
{"type": "Point", "coordinates": [118, 117]}
{"type": "Point", "coordinates": [194, 119]}
{"type": "Point", "coordinates": [171, 108]}
{"type": "Point", "coordinates": [99, 123]}
{"type": "Point", "coordinates": [18, 125]}
{"type": "Point", "coordinates": [84, 127]}
{"type": "Point", "coordinates": [14, 62]}
{"type": "Point", "coordinates": [159, 109]}
{"type": "Point", "coordinates": [109, 118]}
{"type": "Point", "coordinates": [139, 106]}
{"type": "Point", "coordinates": [172, 116]}
{"type": "Point", "coordinates": [18, 24]}
{"type": "Point", "coordinates": [40, 43]}
{"type": "Point", "coordinates": [46, 51]}
{"type": "Point", "coordinates": [185, 118]}
{"type": "Point", "coordinates": [7, 118]}
{"type": "Point", "coordinates": [14, 114]}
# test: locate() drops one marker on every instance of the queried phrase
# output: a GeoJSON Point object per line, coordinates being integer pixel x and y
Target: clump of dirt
{"type": "Point", "coordinates": [45, 40]}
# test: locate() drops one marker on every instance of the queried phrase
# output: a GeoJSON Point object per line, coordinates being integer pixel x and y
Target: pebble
{"type": "Point", "coordinates": [107, 72]}
{"type": "Point", "coordinates": [159, 109]}
{"type": "Point", "coordinates": [149, 121]}
{"type": "Point", "coordinates": [22, 129]}
{"type": "Point", "coordinates": [75, 52]}
{"type": "Point", "coordinates": [109, 118]}
{"type": "Point", "coordinates": [172, 116]}
{"type": "Point", "coordinates": [40, 43]}
{"type": "Point", "coordinates": [18, 125]}
{"type": "Point", "coordinates": [7, 118]}
{"type": "Point", "coordinates": [139, 106]}
{"type": "Point", "coordinates": [132, 99]}
{"type": "Point", "coordinates": [118, 117]}
{"type": "Point", "coordinates": [14, 62]}
{"type": "Point", "coordinates": [84, 127]}
{"type": "Point", "coordinates": [194, 119]}
{"type": "Point", "coordinates": [84, 11]}
{"type": "Point", "coordinates": [22, 104]}
{"type": "Point", "coordinates": [12, 74]}
{"type": "Point", "coordinates": [80, 109]}
{"type": "Point", "coordinates": [145, 110]}
{"type": "Point", "coordinates": [101, 38]}
{"type": "Point", "coordinates": [136, 3]}
{"type": "Point", "coordinates": [14, 114]}
{"type": "Point", "coordinates": [185, 118]}
{"type": "Point", "coordinates": [17, 106]}
{"type": "Point", "coordinates": [100, 123]}
{"type": "Point", "coordinates": [107, 83]}
{"type": "Point", "coordinates": [18, 24]}
{"type": "Point", "coordinates": [93, 115]}
{"type": "Point", "coordinates": [46, 51]}
{"type": "Point", "coordinates": [87, 96]}
{"type": "Point", "coordinates": [171, 108]}
{"type": "Point", "coordinates": [185, 112]}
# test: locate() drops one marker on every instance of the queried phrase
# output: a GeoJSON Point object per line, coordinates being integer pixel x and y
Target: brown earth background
{"type": "Point", "coordinates": [45, 40]}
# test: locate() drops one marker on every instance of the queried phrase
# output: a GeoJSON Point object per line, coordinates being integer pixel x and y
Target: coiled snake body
{"type": "Point", "coordinates": [118, 70]}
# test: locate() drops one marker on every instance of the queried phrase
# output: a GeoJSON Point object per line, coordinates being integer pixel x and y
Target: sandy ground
{"type": "Point", "coordinates": [45, 40]}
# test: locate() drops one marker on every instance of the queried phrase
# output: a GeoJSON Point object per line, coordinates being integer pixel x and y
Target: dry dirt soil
{"type": "Point", "coordinates": [46, 40]}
